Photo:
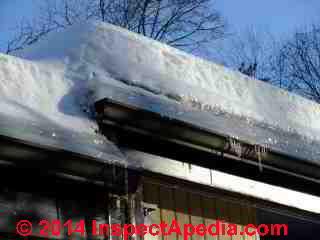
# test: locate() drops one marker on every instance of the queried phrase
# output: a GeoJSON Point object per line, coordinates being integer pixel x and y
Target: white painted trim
{"type": "Point", "coordinates": [225, 181]}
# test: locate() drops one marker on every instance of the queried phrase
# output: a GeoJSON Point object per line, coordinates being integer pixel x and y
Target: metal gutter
{"type": "Point", "coordinates": [131, 122]}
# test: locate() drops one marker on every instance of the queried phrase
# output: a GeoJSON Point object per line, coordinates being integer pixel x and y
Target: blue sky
{"type": "Point", "coordinates": [13, 11]}
{"type": "Point", "coordinates": [278, 16]}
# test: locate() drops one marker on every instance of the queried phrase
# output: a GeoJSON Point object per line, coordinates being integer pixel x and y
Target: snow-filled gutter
{"type": "Point", "coordinates": [161, 133]}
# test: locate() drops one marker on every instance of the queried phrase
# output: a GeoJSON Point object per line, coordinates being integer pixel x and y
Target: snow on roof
{"type": "Point", "coordinates": [95, 52]}
{"type": "Point", "coordinates": [47, 91]}
{"type": "Point", "coordinates": [40, 104]}
{"type": "Point", "coordinates": [60, 77]}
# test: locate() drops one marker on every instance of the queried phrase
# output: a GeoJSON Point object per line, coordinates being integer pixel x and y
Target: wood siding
{"type": "Point", "coordinates": [190, 207]}
{"type": "Point", "coordinates": [70, 201]}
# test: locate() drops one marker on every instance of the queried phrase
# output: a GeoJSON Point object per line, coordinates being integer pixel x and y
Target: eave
{"type": "Point", "coordinates": [150, 131]}
{"type": "Point", "coordinates": [29, 159]}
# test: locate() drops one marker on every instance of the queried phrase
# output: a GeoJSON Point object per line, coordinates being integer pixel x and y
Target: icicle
{"type": "Point", "coordinates": [261, 152]}
{"type": "Point", "coordinates": [236, 147]}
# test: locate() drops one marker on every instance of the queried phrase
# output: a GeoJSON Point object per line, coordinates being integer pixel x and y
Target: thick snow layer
{"type": "Point", "coordinates": [30, 90]}
{"type": "Point", "coordinates": [52, 85]}
{"type": "Point", "coordinates": [59, 78]}
{"type": "Point", "coordinates": [89, 54]}
{"type": "Point", "coordinates": [39, 105]}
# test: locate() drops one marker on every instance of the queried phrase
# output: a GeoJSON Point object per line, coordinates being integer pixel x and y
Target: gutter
{"type": "Point", "coordinates": [203, 147]}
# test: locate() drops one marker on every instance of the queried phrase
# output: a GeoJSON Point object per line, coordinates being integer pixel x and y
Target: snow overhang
{"type": "Point", "coordinates": [245, 147]}
{"type": "Point", "coordinates": [111, 63]}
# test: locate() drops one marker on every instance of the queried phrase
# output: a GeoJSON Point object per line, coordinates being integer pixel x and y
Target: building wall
{"type": "Point", "coordinates": [65, 202]}
{"type": "Point", "coordinates": [38, 198]}
{"type": "Point", "coordinates": [191, 207]}
{"type": "Point", "coordinates": [42, 198]}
